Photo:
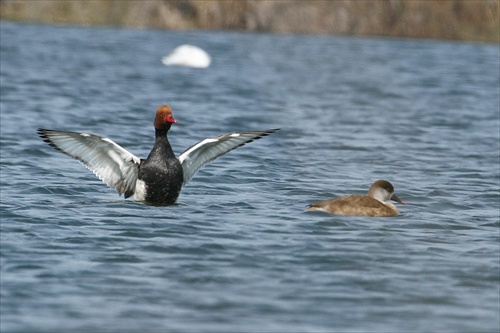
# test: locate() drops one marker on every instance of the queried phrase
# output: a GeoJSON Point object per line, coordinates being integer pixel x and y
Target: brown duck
{"type": "Point", "coordinates": [373, 204]}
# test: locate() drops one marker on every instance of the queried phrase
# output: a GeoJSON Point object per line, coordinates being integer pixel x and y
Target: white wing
{"type": "Point", "coordinates": [196, 156]}
{"type": "Point", "coordinates": [115, 166]}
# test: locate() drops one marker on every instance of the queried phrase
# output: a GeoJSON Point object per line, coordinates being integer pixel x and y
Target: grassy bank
{"type": "Point", "coordinates": [474, 20]}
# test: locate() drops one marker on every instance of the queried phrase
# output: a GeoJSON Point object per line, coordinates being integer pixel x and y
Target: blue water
{"type": "Point", "coordinates": [238, 253]}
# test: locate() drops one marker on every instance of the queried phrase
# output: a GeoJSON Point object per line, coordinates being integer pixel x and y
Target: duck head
{"type": "Point", "coordinates": [164, 118]}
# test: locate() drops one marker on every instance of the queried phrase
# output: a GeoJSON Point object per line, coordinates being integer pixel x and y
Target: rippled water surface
{"type": "Point", "coordinates": [238, 253]}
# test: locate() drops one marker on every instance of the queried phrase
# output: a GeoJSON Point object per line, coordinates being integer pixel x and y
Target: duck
{"type": "Point", "coordinates": [156, 180]}
{"type": "Point", "coordinates": [373, 204]}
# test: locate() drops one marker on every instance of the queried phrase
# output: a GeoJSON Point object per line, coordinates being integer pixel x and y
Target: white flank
{"type": "Point", "coordinates": [140, 190]}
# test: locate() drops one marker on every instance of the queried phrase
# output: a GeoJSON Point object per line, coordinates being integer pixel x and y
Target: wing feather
{"type": "Point", "coordinates": [114, 165]}
{"type": "Point", "coordinates": [205, 151]}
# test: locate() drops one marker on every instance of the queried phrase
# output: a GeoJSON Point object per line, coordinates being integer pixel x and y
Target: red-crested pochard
{"type": "Point", "coordinates": [156, 180]}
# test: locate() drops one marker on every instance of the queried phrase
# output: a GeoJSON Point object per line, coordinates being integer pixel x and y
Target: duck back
{"type": "Point", "coordinates": [360, 205]}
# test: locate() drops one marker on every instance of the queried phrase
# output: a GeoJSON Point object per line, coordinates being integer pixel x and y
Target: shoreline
{"type": "Point", "coordinates": [460, 20]}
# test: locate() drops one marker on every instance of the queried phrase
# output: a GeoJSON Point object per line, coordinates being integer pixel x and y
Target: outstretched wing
{"type": "Point", "coordinates": [114, 165]}
{"type": "Point", "coordinates": [196, 156]}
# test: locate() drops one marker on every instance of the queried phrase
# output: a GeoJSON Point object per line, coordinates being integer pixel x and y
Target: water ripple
{"type": "Point", "coordinates": [238, 252]}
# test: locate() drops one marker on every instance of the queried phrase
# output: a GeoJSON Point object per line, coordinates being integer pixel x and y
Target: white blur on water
{"type": "Point", "coordinates": [188, 56]}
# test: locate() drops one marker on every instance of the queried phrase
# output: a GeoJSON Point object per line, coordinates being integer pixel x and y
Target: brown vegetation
{"type": "Point", "coordinates": [476, 20]}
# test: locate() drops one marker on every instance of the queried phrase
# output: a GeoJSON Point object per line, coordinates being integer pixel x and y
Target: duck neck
{"type": "Point", "coordinates": [162, 146]}
{"type": "Point", "coordinates": [161, 133]}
